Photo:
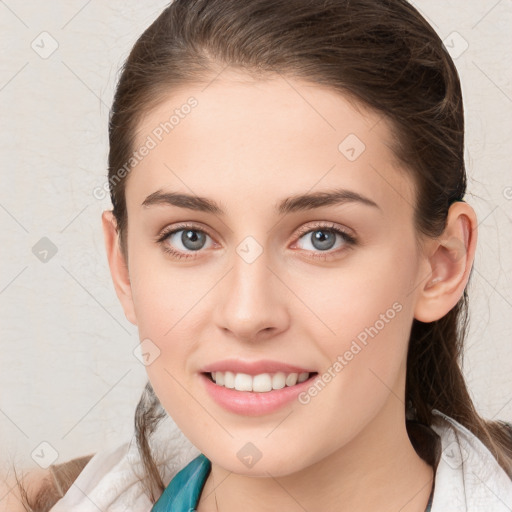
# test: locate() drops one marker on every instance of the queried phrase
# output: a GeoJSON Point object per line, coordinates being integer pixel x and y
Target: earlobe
{"type": "Point", "coordinates": [448, 265]}
{"type": "Point", "coordinates": [118, 265]}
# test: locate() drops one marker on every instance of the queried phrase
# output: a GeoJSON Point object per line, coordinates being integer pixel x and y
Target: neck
{"type": "Point", "coordinates": [378, 470]}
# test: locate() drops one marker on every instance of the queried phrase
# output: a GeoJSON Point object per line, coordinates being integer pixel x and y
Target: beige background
{"type": "Point", "coordinates": [68, 375]}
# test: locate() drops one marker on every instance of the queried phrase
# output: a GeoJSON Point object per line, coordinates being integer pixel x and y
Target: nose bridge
{"type": "Point", "coordinates": [250, 301]}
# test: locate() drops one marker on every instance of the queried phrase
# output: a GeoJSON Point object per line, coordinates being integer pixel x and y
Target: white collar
{"type": "Point", "coordinates": [468, 478]}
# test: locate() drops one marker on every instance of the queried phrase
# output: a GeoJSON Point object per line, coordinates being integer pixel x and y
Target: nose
{"type": "Point", "coordinates": [252, 301]}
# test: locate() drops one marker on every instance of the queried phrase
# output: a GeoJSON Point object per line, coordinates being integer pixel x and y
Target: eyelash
{"type": "Point", "coordinates": [349, 240]}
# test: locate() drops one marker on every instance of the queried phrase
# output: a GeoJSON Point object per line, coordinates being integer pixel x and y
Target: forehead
{"type": "Point", "coordinates": [273, 137]}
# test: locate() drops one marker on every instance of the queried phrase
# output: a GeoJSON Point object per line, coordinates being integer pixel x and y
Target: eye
{"type": "Point", "coordinates": [322, 238]}
{"type": "Point", "coordinates": [184, 239]}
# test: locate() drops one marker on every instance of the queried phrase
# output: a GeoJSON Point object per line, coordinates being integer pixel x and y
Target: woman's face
{"type": "Point", "coordinates": [264, 276]}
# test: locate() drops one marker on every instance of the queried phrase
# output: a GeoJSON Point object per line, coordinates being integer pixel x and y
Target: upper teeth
{"type": "Point", "coordinates": [259, 383]}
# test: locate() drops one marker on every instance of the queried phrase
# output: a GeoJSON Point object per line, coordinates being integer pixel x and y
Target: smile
{"type": "Point", "coordinates": [261, 383]}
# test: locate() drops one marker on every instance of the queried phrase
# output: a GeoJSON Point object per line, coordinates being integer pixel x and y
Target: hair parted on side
{"type": "Point", "coordinates": [380, 53]}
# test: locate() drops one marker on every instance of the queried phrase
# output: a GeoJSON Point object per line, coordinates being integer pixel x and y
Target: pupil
{"type": "Point", "coordinates": [322, 239]}
{"type": "Point", "coordinates": [192, 240]}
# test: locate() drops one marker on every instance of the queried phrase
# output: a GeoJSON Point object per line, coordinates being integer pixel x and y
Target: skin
{"type": "Point", "coordinates": [33, 480]}
{"type": "Point", "coordinates": [248, 145]}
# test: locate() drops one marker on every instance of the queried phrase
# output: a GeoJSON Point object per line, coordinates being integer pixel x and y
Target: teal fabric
{"type": "Point", "coordinates": [182, 493]}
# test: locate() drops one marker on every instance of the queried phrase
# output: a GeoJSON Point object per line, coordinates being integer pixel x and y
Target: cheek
{"type": "Point", "coordinates": [164, 295]}
{"type": "Point", "coordinates": [365, 367]}
{"type": "Point", "coordinates": [365, 296]}
{"type": "Point", "coordinates": [168, 302]}
{"type": "Point", "coordinates": [368, 351]}
{"type": "Point", "coordinates": [361, 324]}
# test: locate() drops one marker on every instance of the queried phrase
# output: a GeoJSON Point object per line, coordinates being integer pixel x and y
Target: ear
{"type": "Point", "coordinates": [448, 264]}
{"type": "Point", "coordinates": [118, 265]}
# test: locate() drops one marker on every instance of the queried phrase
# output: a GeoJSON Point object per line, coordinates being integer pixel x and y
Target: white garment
{"type": "Point", "coordinates": [468, 478]}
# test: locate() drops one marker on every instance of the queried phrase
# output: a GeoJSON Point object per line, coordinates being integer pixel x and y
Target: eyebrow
{"type": "Point", "coordinates": [301, 202]}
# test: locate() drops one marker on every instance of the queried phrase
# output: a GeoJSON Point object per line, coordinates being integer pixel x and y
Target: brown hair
{"type": "Point", "coordinates": [53, 486]}
{"type": "Point", "coordinates": [383, 54]}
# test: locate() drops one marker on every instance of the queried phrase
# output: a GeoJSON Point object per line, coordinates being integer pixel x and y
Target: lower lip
{"type": "Point", "coordinates": [251, 403]}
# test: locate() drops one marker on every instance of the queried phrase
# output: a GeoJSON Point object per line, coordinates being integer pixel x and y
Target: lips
{"type": "Point", "coordinates": [251, 403]}
{"type": "Point", "coordinates": [254, 367]}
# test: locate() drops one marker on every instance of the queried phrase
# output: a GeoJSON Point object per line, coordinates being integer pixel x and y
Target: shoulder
{"type": "Point", "coordinates": [467, 472]}
{"type": "Point", "coordinates": [113, 479]}
{"type": "Point", "coordinates": [32, 480]}
{"type": "Point", "coordinates": [39, 488]}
